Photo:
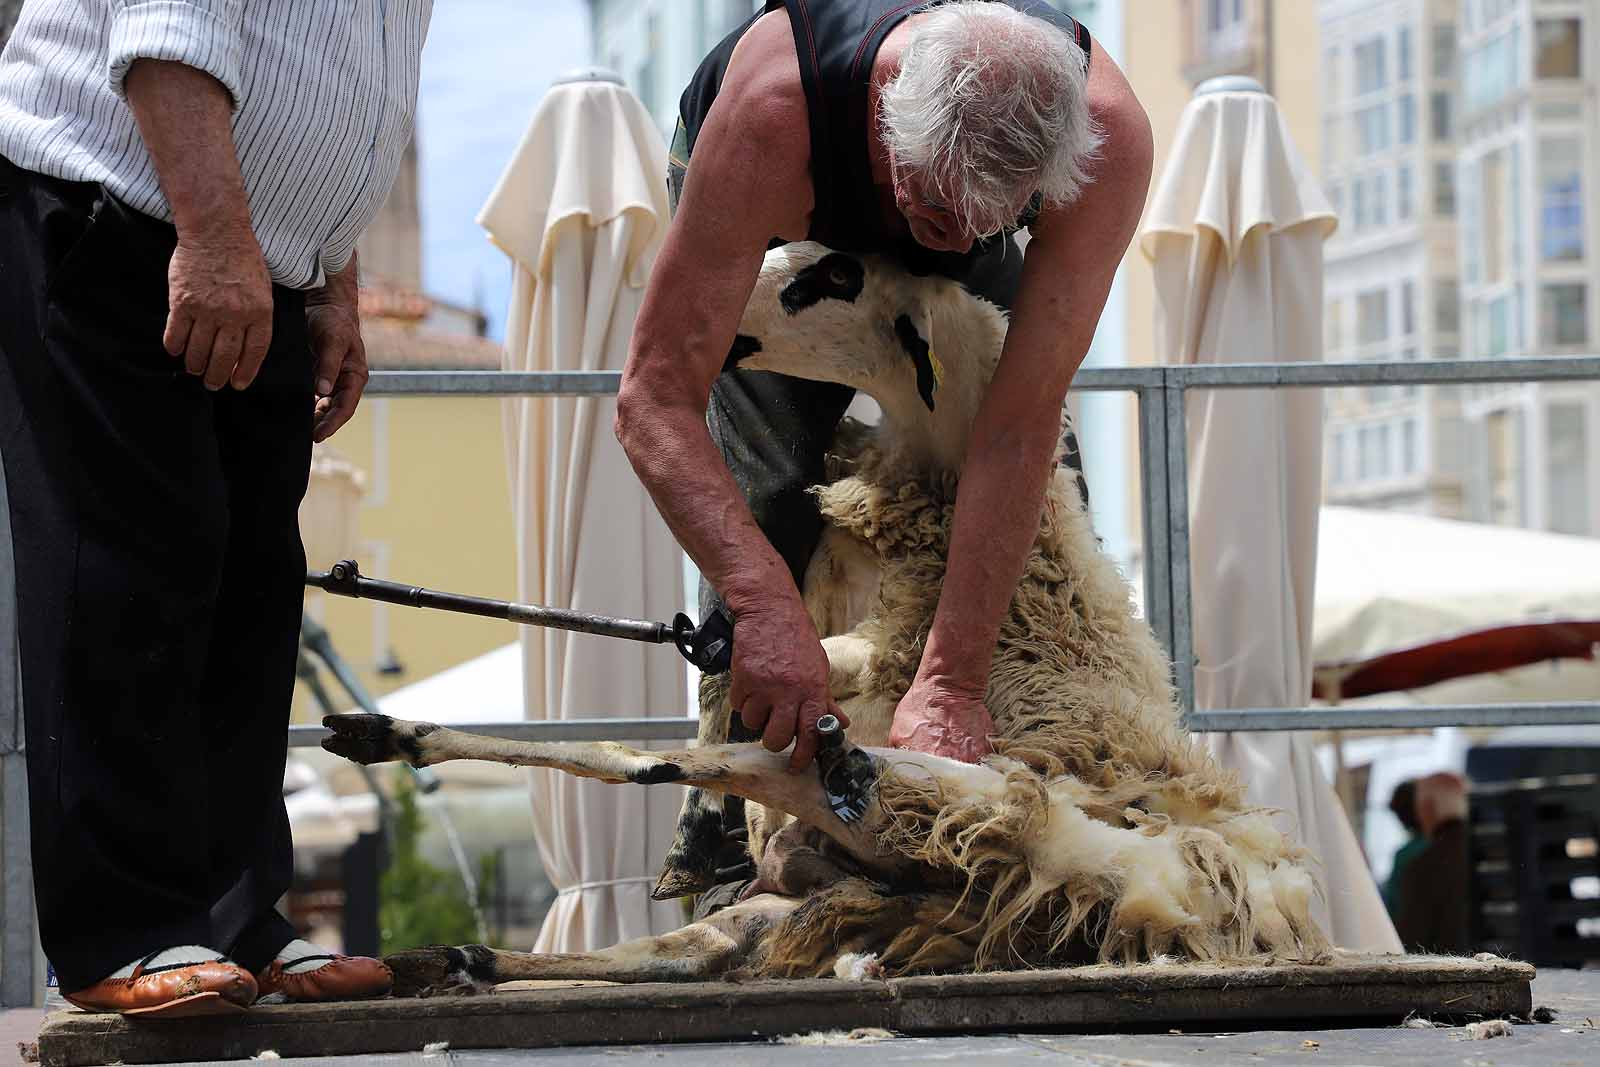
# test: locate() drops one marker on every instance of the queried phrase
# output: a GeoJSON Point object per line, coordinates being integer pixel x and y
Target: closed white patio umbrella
{"type": "Point", "coordinates": [1234, 234]}
{"type": "Point", "coordinates": [581, 210]}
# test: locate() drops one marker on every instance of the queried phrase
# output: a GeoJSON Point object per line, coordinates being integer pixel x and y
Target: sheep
{"type": "Point", "coordinates": [1097, 831]}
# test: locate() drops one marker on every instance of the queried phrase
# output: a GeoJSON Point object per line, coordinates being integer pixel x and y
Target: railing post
{"type": "Point", "coordinates": [1154, 510]}
{"type": "Point", "coordinates": [19, 985]}
{"type": "Point", "coordinates": [1178, 519]}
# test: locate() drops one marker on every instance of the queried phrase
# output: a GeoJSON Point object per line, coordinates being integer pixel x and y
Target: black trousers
{"type": "Point", "coordinates": [159, 578]}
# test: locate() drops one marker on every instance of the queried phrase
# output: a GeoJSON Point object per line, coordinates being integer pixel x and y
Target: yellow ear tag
{"type": "Point", "coordinates": [938, 368]}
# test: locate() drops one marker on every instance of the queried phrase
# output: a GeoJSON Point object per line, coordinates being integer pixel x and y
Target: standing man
{"type": "Point", "coordinates": [181, 189]}
{"type": "Point", "coordinates": [928, 133]}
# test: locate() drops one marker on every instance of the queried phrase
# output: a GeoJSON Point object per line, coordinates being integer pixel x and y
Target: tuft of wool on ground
{"type": "Point", "coordinates": [861, 1035]}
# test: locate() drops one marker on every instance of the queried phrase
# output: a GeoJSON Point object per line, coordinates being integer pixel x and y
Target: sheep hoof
{"type": "Point", "coordinates": [677, 882]}
{"type": "Point", "coordinates": [441, 971]}
{"type": "Point", "coordinates": [368, 739]}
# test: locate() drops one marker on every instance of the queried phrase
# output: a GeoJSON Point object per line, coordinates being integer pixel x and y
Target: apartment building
{"type": "Point", "coordinates": [1526, 151]}
{"type": "Point", "coordinates": [1458, 137]}
{"type": "Point", "coordinates": [1390, 71]}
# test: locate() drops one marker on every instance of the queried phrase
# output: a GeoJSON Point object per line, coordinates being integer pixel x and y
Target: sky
{"type": "Point", "coordinates": [485, 68]}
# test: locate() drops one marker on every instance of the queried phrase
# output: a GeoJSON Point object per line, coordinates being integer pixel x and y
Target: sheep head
{"type": "Point", "coordinates": [922, 346]}
{"type": "Point", "coordinates": [833, 317]}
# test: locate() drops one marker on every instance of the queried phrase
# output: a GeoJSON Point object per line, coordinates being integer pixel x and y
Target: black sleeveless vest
{"type": "Point", "coordinates": [837, 42]}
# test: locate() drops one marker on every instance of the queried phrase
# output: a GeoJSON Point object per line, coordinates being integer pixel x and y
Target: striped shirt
{"type": "Point", "coordinates": [324, 95]}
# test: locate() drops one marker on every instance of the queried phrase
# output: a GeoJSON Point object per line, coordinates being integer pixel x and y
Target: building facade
{"type": "Point", "coordinates": [1526, 150]}
{"type": "Point", "coordinates": [1390, 71]}
{"type": "Point", "coordinates": [1458, 136]}
{"type": "Point", "coordinates": [1169, 48]}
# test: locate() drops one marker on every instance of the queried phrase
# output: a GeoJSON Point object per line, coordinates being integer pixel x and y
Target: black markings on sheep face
{"type": "Point", "coordinates": [835, 276]}
{"type": "Point", "coordinates": [921, 356]}
{"type": "Point", "coordinates": [744, 346]}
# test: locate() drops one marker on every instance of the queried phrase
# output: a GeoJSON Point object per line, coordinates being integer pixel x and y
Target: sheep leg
{"type": "Point", "coordinates": [690, 865]}
{"type": "Point", "coordinates": [702, 950]}
{"type": "Point", "coordinates": [745, 770]}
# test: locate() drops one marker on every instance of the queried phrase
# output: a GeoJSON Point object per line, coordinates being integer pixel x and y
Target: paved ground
{"type": "Point", "coordinates": [1573, 1040]}
{"type": "Point", "coordinates": [17, 1025]}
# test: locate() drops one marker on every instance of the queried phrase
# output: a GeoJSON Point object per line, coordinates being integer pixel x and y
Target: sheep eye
{"type": "Point", "coordinates": [833, 277]}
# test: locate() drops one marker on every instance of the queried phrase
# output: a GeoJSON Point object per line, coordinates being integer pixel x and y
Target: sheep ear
{"type": "Point", "coordinates": [917, 340]}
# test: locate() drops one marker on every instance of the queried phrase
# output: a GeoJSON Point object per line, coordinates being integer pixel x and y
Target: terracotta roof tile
{"type": "Point", "coordinates": [393, 345]}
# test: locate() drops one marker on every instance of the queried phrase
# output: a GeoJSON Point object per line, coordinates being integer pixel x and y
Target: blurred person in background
{"type": "Point", "coordinates": [1403, 804]}
{"type": "Point", "coordinates": [1434, 909]}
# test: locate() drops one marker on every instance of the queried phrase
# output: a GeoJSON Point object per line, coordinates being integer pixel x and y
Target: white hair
{"type": "Point", "coordinates": [989, 107]}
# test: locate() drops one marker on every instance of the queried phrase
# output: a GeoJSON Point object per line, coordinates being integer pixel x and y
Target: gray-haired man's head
{"type": "Point", "coordinates": [989, 107]}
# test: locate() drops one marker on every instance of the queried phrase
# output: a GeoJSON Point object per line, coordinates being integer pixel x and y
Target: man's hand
{"type": "Point", "coordinates": [942, 720]}
{"type": "Point", "coordinates": [219, 319]}
{"type": "Point", "coordinates": [334, 325]}
{"type": "Point", "coordinates": [780, 679]}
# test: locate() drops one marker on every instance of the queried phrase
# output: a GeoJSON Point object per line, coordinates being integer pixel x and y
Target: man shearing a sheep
{"type": "Point", "coordinates": [928, 133]}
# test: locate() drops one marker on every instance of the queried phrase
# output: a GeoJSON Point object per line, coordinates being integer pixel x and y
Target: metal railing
{"type": "Point", "coordinates": [1163, 437]}
{"type": "Point", "coordinates": [1164, 484]}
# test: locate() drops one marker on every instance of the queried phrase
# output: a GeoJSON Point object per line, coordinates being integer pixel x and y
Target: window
{"type": "Point", "coordinates": [1408, 308]}
{"type": "Point", "coordinates": [734, 14]}
{"type": "Point", "coordinates": [1366, 458]}
{"type": "Point", "coordinates": [1336, 470]}
{"type": "Point", "coordinates": [1336, 199]}
{"type": "Point", "coordinates": [1402, 193]}
{"type": "Point", "coordinates": [1491, 71]}
{"type": "Point", "coordinates": [1408, 447]}
{"type": "Point", "coordinates": [1443, 123]}
{"type": "Point", "coordinates": [1372, 129]}
{"type": "Point", "coordinates": [1498, 336]}
{"type": "Point", "coordinates": [1406, 119]}
{"type": "Point", "coordinates": [1224, 25]}
{"type": "Point", "coordinates": [1358, 203]}
{"type": "Point", "coordinates": [1333, 328]}
{"type": "Point", "coordinates": [1403, 55]}
{"type": "Point", "coordinates": [1372, 317]}
{"type": "Point", "coordinates": [1568, 450]}
{"type": "Point", "coordinates": [1332, 76]}
{"type": "Point", "coordinates": [1560, 200]}
{"type": "Point", "coordinates": [1384, 464]}
{"type": "Point", "coordinates": [1379, 195]}
{"type": "Point", "coordinates": [1444, 189]}
{"type": "Point", "coordinates": [1564, 314]}
{"type": "Point", "coordinates": [1556, 48]}
{"type": "Point", "coordinates": [1444, 51]}
{"type": "Point", "coordinates": [1446, 307]}
{"type": "Point", "coordinates": [645, 75]}
{"type": "Point", "coordinates": [1372, 74]}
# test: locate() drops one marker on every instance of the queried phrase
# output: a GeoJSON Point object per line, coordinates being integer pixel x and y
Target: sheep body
{"type": "Point", "coordinates": [1116, 838]}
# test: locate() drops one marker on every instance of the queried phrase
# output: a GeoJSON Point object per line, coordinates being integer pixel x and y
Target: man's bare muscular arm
{"type": "Point", "coordinates": [750, 181]}
{"type": "Point", "coordinates": [1066, 278]}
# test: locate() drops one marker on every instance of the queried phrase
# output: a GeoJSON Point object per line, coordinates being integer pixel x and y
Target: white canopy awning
{"type": "Point", "coordinates": [1386, 579]}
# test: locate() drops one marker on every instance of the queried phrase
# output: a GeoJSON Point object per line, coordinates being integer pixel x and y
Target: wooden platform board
{"type": "Point", "coordinates": [1089, 998]}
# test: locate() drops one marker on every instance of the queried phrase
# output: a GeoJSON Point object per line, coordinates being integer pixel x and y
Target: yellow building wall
{"type": "Point", "coordinates": [1154, 67]}
{"type": "Point", "coordinates": [436, 513]}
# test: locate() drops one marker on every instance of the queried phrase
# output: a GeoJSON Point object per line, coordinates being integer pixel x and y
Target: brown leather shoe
{"type": "Point", "coordinates": [340, 978]}
{"type": "Point", "coordinates": [176, 990]}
